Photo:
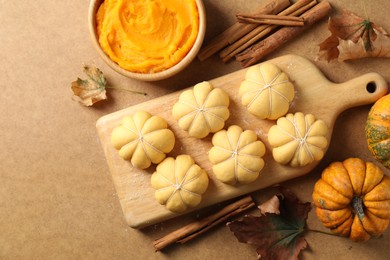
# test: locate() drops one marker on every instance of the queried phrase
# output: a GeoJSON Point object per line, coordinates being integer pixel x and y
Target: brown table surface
{"type": "Point", "coordinates": [57, 199]}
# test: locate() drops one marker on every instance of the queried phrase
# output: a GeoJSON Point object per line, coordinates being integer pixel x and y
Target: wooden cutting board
{"type": "Point", "coordinates": [314, 94]}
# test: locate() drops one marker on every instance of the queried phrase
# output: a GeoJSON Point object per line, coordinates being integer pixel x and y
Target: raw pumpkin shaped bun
{"type": "Point", "coordinates": [266, 91]}
{"type": "Point", "coordinates": [179, 183]}
{"type": "Point", "coordinates": [298, 139]}
{"type": "Point", "coordinates": [143, 139]}
{"type": "Point", "coordinates": [202, 109]}
{"type": "Point", "coordinates": [236, 156]}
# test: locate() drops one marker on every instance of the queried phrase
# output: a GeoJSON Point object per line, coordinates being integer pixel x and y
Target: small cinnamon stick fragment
{"type": "Point", "coordinates": [198, 227]}
{"type": "Point", "coordinates": [255, 53]}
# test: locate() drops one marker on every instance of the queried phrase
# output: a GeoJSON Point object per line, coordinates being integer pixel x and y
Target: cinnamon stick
{"type": "Point", "coordinates": [294, 10]}
{"type": "Point", "coordinates": [271, 17]}
{"type": "Point", "coordinates": [270, 21]}
{"type": "Point", "coordinates": [198, 227]}
{"type": "Point", "coordinates": [237, 30]}
{"type": "Point", "coordinates": [259, 50]}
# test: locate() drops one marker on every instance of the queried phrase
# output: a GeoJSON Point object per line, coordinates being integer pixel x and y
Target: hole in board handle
{"type": "Point", "coordinates": [371, 87]}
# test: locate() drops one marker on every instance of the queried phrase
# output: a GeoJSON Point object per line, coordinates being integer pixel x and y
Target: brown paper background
{"type": "Point", "coordinates": [57, 199]}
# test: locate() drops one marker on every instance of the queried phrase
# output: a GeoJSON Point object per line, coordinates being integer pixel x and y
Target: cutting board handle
{"type": "Point", "coordinates": [362, 90]}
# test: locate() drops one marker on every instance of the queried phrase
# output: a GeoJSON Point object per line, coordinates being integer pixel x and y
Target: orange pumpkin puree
{"type": "Point", "coordinates": [147, 36]}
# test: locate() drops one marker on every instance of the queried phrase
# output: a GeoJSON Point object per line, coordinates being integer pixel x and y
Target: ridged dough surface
{"type": "Point", "coordinates": [298, 139]}
{"type": "Point", "coordinates": [266, 91]}
{"type": "Point", "coordinates": [202, 110]}
{"type": "Point", "coordinates": [179, 183]}
{"type": "Point", "coordinates": [236, 155]}
{"type": "Point", "coordinates": [143, 139]}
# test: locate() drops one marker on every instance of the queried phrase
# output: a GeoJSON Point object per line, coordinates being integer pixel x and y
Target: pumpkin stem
{"type": "Point", "coordinates": [357, 204]}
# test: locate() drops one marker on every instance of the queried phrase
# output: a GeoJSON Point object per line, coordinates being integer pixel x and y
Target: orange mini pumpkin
{"type": "Point", "coordinates": [378, 130]}
{"type": "Point", "coordinates": [352, 198]}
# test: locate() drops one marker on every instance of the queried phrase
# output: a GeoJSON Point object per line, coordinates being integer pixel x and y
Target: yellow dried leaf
{"type": "Point", "coordinates": [379, 48]}
{"type": "Point", "coordinates": [354, 37]}
{"type": "Point", "coordinates": [91, 90]}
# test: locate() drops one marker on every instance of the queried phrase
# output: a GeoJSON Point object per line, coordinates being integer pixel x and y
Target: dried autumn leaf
{"type": "Point", "coordinates": [354, 37]}
{"type": "Point", "coordinates": [91, 90]}
{"type": "Point", "coordinates": [276, 236]}
{"type": "Point", "coordinates": [270, 206]}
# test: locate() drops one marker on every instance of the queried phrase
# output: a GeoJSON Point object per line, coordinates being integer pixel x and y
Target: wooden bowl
{"type": "Point", "coordinates": [94, 5]}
